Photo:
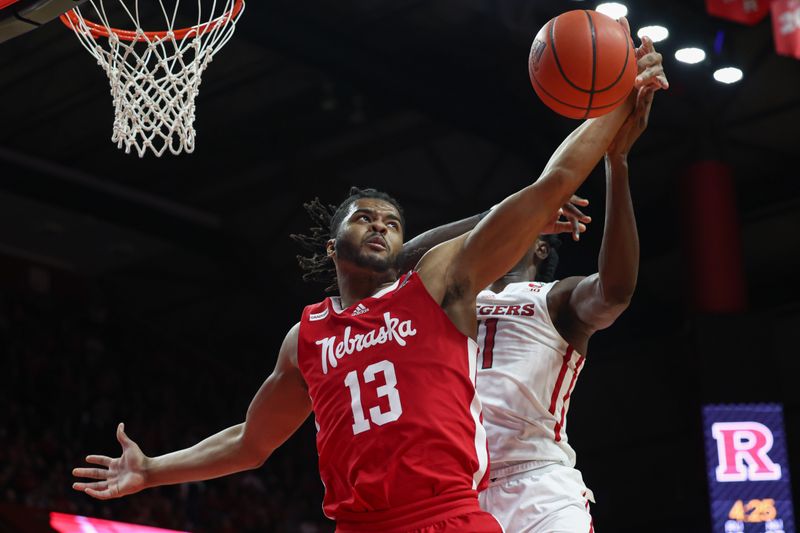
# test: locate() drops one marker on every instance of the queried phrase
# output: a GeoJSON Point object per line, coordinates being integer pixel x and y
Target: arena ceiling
{"type": "Point", "coordinates": [428, 99]}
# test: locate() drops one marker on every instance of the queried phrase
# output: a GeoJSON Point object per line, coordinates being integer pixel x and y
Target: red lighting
{"type": "Point", "coordinates": [67, 523]}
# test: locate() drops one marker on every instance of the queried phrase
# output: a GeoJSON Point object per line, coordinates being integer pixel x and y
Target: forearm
{"type": "Point", "coordinates": [509, 230]}
{"type": "Point", "coordinates": [216, 456]}
{"type": "Point", "coordinates": [414, 249]}
{"type": "Point", "coordinates": [619, 252]}
{"type": "Point", "coordinates": [580, 152]}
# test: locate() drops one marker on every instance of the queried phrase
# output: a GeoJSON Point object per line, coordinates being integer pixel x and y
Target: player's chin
{"type": "Point", "coordinates": [378, 261]}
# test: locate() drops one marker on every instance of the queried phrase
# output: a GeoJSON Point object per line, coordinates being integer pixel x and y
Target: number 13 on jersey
{"type": "Point", "coordinates": [388, 390]}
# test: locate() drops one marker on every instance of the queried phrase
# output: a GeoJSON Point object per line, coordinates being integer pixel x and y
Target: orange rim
{"type": "Point", "coordinates": [72, 20]}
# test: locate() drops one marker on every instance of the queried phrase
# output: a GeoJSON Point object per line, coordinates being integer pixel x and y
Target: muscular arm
{"type": "Point", "coordinates": [581, 306]}
{"type": "Point", "coordinates": [460, 268]}
{"type": "Point", "coordinates": [276, 411]}
{"type": "Point", "coordinates": [463, 266]}
{"type": "Point", "coordinates": [598, 300]}
{"type": "Point", "coordinates": [414, 249]}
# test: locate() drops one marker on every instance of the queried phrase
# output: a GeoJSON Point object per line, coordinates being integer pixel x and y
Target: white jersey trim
{"type": "Point", "coordinates": [481, 450]}
{"type": "Point", "coordinates": [336, 301]}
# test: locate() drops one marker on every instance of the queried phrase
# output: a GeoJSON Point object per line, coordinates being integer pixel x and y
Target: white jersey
{"type": "Point", "coordinates": [526, 374]}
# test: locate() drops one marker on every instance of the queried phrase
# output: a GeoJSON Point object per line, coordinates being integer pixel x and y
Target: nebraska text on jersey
{"type": "Point", "coordinates": [392, 330]}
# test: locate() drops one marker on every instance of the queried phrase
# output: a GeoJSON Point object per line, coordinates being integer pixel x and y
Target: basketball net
{"type": "Point", "coordinates": [154, 76]}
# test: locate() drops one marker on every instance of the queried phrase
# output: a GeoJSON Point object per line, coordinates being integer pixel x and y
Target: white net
{"type": "Point", "coordinates": [154, 76]}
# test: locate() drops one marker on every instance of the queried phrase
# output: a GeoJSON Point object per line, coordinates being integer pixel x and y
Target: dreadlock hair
{"type": "Point", "coordinates": [325, 223]}
{"type": "Point", "coordinates": [547, 269]}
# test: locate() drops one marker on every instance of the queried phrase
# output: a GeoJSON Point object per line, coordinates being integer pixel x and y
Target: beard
{"type": "Point", "coordinates": [348, 251]}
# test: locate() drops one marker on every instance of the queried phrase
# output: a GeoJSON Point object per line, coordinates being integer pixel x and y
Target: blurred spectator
{"type": "Point", "coordinates": [71, 372]}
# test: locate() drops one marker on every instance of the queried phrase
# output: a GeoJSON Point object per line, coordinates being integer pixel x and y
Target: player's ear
{"type": "Point", "coordinates": [542, 250]}
{"type": "Point", "coordinates": [330, 247]}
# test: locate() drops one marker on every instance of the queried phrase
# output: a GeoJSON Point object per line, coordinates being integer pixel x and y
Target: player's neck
{"type": "Point", "coordinates": [515, 276]}
{"type": "Point", "coordinates": [354, 287]}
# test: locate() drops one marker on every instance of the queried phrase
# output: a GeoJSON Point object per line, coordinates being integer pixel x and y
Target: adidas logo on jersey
{"type": "Point", "coordinates": [360, 310]}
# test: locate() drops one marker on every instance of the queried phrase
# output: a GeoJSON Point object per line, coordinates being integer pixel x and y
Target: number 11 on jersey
{"type": "Point", "coordinates": [388, 389]}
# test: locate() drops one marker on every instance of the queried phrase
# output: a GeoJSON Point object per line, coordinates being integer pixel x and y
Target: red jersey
{"type": "Point", "coordinates": [392, 383]}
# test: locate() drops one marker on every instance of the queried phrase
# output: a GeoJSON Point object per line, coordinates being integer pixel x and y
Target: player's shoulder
{"type": "Point", "coordinates": [558, 301]}
{"type": "Point", "coordinates": [436, 271]}
{"type": "Point", "coordinates": [561, 290]}
{"type": "Point", "coordinates": [288, 351]}
{"type": "Point", "coordinates": [522, 290]}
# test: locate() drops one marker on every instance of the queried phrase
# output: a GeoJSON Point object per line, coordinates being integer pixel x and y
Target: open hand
{"type": "Point", "coordinates": [119, 476]}
{"type": "Point", "coordinates": [575, 222]}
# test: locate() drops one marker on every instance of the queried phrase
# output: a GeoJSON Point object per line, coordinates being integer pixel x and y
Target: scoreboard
{"type": "Point", "coordinates": [748, 469]}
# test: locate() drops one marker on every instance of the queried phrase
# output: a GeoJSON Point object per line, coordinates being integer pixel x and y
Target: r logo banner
{"type": "Point", "coordinates": [748, 472]}
{"type": "Point", "coordinates": [742, 451]}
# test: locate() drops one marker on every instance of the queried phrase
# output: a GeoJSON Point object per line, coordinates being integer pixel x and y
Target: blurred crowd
{"type": "Point", "coordinates": [71, 371]}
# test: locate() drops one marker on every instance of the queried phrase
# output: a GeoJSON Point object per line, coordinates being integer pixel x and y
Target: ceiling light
{"type": "Point", "coordinates": [690, 55]}
{"type": "Point", "coordinates": [728, 75]}
{"type": "Point", "coordinates": [612, 9]}
{"type": "Point", "coordinates": [656, 33]}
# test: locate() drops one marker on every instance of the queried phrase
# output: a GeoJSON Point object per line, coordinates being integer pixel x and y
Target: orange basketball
{"type": "Point", "coordinates": [582, 64]}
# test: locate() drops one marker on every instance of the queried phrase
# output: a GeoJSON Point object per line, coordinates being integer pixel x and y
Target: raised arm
{"type": "Point", "coordinates": [474, 261]}
{"type": "Point", "coordinates": [471, 262]}
{"type": "Point", "coordinates": [277, 410]}
{"type": "Point", "coordinates": [596, 301]}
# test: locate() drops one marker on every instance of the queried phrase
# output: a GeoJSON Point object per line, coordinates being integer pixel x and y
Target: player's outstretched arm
{"type": "Point", "coordinates": [568, 219]}
{"type": "Point", "coordinates": [500, 239]}
{"type": "Point", "coordinates": [596, 301]}
{"type": "Point", "coordinates": [277, 410]}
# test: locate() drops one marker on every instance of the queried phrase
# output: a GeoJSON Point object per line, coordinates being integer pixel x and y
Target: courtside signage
{"type": "Point", "coordinates": [69, 523]}
{"type": "Point", "coordinates": [748, 469]}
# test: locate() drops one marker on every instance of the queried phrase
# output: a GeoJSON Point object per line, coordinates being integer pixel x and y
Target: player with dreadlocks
{"type": "Point", "coordinates": [388, 366]}
{"type": "Point", "coordinates": [533, 334]}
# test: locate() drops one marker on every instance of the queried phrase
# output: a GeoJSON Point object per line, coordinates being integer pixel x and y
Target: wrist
{"type": "Point", "coordinates": [620, 158]}
{"type": "Point", "coordinates": [147, 472]}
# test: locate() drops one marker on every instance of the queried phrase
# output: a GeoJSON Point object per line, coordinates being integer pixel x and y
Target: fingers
{"type": "Point", "coordinates": [99, 494]}
{"type": "Point", "coordinates": [652, 76]}
{"type": "Point", "coordinates": [567, 226]}
{"type": "Point", "coordinates": [650, 59]}
{"type": "Point", "coordinates": [97, 485]}
{"type": "Point", "coordinates": [645, 48]}
{"type": "Point", "coordinates": [91, 473]}
{"type": "Point", "coordinates": [572, 212]}
{"type": "Point", "coordinates": [101, 460]}
{"type": "Point", "coordinates": [650, 66]}
{"type": "Point", "coordinates": [576, 230]}
{"type": "Point", "coordinates": [577, 200]}
{"type": "Point", "coordinates": [625, 24]}
{"type": "Point", "coordinates": [122, 438]}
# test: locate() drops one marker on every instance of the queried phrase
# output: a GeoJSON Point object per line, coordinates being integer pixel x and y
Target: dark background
{"type": "Point", "coordinates": [157, 291]}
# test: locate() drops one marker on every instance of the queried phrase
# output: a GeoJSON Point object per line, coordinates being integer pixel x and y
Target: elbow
{"type": "Point", "coordinates": [254, 458]}
{"type": "Point", "coordinates": [618, 298]}
{"type": "Point", "coordinates": [250, 454]}
{"type": "Point", "coordinates": [558, 182]}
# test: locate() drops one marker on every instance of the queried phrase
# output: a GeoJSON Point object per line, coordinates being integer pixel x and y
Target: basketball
{"type": "Point", "coordinates": [582, 64]}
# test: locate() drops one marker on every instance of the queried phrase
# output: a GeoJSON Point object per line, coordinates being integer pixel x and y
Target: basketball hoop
{"type": "Point", "coordinates": [155, 75]}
